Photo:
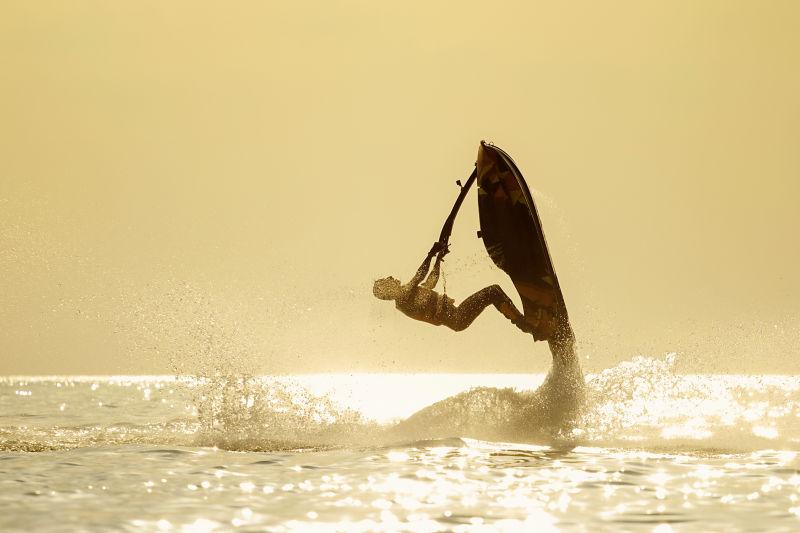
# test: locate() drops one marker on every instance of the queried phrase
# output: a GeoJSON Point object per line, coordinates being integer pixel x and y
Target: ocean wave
{"type": "Point", "coordinates": [638, 404]}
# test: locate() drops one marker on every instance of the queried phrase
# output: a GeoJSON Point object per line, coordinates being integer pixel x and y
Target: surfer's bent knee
{"type": "Point", "coordinates": [497, 291]}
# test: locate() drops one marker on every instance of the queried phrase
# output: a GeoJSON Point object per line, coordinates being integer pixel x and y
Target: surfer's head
{"type": "Point", "coordinates": [386, 288]}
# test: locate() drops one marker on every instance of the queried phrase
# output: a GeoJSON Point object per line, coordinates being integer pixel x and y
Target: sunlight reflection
{"type": "Point", "coordinates": [766, 432]}
{"type": "Point", "coordinates": [201, 525]}
{"type": "Point", "coordinates": [689, 468]}
{"type": "Point", "coordinates": [398, 457]}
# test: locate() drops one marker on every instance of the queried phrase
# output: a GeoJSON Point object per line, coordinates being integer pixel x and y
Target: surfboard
{"type": "Point", "coordinates": [512, 233]}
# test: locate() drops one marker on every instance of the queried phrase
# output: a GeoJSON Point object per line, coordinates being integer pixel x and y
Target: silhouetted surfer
{"type": "Point", "coordinates": [418, 300]}
{"type": "Point", "coordinates": [512, 234]}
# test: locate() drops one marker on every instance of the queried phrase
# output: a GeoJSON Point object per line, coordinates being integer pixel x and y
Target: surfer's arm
{"type": "Point", "coordinates": [425, 266]}
{"type": "Point", "coordinates": [421, 271]}
{"type": "Point", "coordinates": [433, 277]}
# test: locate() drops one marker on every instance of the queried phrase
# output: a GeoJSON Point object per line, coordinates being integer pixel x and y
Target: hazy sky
{"type": "Point", "coordinates": [184, 183]}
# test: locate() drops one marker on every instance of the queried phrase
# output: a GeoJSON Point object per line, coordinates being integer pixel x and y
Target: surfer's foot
{"type": "Point", "coordinates": [510, 312]}
{"type": "Point", "coordinates": [522, 324]}
{"type": "Point", "coordinates": [541, 324]}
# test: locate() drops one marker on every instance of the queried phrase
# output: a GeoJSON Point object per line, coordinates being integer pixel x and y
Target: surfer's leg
{"type": "Point", "coordinates": [465, 314]}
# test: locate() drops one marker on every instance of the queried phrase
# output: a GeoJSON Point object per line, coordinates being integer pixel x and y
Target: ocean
{"type": "Point", "coordinates": [647, 450]}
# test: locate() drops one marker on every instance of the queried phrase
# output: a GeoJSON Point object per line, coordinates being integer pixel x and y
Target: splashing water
{"type": "Point", "coordinates": [643, 403]}
{"type": "Point", "coordinates": [638, 404]}
{"type": "Point", "coordinates": [346, 452]}
{"type": "Point", "coordinates": [249, 413]}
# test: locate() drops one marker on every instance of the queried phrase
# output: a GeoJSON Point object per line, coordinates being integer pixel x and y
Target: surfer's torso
{"type": "Point", "coordinates": [426, 305]}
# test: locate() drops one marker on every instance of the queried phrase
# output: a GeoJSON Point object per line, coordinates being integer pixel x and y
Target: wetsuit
{"type": "Point", "coordinates": [420, 302]}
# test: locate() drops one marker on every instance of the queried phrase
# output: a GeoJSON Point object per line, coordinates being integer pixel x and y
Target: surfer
{"type": "Point", "coordinates": [512, 234]}
{"type": "Point", "coordinates": [418, 300]}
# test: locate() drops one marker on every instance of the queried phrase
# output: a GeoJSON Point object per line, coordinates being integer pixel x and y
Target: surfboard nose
{"type": "Point", "coordinates": [484, 151]}
{"type": "Point", "coordinates": [487, 160]}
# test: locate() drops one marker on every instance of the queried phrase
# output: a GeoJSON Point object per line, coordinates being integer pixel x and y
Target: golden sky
{"type": "Point", "coordinates": [228, 178]}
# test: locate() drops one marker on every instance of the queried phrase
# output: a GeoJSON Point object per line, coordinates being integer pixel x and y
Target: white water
{"type": "Point", "coordinates": [650, 449]}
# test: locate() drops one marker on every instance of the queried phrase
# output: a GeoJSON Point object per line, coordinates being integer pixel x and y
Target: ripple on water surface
{"type": "Point", "coordinates": [415, 488]}
{"type": "Point", "coordinates": [652, 449]}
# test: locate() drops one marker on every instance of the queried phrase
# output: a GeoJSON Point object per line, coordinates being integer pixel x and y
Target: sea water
{"type": "Point", "coordinates": [651, 451]}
